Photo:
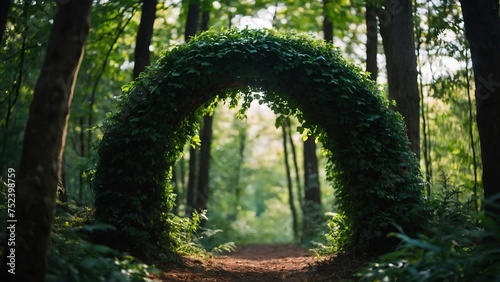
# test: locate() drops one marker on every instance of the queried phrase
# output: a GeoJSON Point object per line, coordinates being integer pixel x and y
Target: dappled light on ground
{"type": "Point", "coordinates": [269, 262]}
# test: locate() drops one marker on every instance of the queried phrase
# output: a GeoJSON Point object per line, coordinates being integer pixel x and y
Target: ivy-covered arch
{"type": "Point", "coordinates": [375, 175]}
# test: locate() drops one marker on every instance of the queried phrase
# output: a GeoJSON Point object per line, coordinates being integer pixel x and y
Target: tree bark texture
{"type": "Point", "coordinates": [312, 192]}
{"type": "Point", "coordinates": [192, 20]}
{"type": "Point", "coordinates": [482, 28]}
{"type": "Point", "coordinates": [191, 185]}
{"type": "Point", "coordinates": [40, 165]}
{"type": "Point", "coordinates": [291, 200]}
{"type": "Point", "coordinates": [396, 28]}
{"type": "Point", "coordinates": [371, 41]}
{"type": "Point", "coordinates": [204, 169]}
{"type": "Point", "coordinates": [191, 27]}
{"type": "Point", "coordinates": [144, 35]}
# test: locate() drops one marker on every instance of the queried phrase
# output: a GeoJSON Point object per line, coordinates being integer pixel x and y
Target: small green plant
{"type": "Point", "coordinates": [335, 240]}
{"type": "Point", "coordinates": [189, 237]}
{"type": "Point", "coordinates": [224, 247]}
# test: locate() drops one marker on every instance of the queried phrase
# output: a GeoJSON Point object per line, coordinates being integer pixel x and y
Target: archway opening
{"type": "Point", "coordinates": [255, 196]}
{"type": "Point", "coordinates": [376, 176]}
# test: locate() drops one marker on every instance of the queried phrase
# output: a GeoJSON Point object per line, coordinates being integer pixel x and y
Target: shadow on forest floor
{"type": "Point", "coordinates": [269, 262]}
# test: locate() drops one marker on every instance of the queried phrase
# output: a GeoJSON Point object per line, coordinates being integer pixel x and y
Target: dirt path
{"type": "Point", "coordinates": [277, 262]}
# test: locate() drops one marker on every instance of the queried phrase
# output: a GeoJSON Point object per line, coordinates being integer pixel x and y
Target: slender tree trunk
{"type": "Point", "coordinates": [144, 35]}
{"type": "Point", "coordinates": [371, 41]}
{"type": "Point", "coordinates": [312, 192]}
{"type": "Point", "coordinates": [423, 111]}
{"type": "Point", "coordinates": [4, 13]}
{"type": "Point", "coordinates": [396, 28]}
{"type": "Point", "coordinates": [296, 166]}
{"type": "Point", "coordinates": [204, 169]}
{"type": "Point", "coordinates": [327, 22]}
{"type": "Point", "coordinates": [205, 15]}
{"type": "Point", "coordinates": [482, 28]}
{"type": "Point", "coordinates": [237, 175]}
{"type": "Point", "coordinates": [289, 184]}
{"type": "Point", "coordinates": [206, 143]}
{"type": "Point", "coordinates": [191, 27]}
{"type": "Point", "coordinates": [191, 185]}
{"type": "Point", "coordinates": [192, 20]}
{"type": "Point", "coordinates": [312, 203]}
{"type": "Point", "coordinates": [40, 165]}
{"type": "Point", "coordinates": [471, 133]}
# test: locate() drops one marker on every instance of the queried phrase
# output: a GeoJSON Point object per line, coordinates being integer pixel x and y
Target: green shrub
{"type": "Point", "coordinates": [461, 245]}
{"type": "Point", "coordinates": [72, 258]}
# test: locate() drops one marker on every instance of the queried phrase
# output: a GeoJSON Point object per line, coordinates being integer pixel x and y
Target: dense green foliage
{"type": "Point", "coordinates": [75, 258]}
{"type": "Point", "coordinates": [459, 245]}
{"type": "Point", "coordinates": [375, 175]}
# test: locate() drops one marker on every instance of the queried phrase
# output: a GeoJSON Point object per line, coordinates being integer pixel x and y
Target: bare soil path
{"type": "Point", "coordinates": [272, 262]}
{"type": "Point", "coordinates": [276, 262]}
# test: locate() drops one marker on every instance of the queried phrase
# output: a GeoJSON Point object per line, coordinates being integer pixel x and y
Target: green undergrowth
{"type": "Point", "coordinates": [73, 256]}
{"type": "Point", "coordinates": [459, 245]}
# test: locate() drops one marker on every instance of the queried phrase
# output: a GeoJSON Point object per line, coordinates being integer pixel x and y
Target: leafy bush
{"type": "Point", "coordinates": [72, 258]}
{"type": "Point", "coordinates": [460, 246]}
{"type": "Point", "coordinates": [335, 241]}
{"type": "Point", "coordinates": [188, 236]}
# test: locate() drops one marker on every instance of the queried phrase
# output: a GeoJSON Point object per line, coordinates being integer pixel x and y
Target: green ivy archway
{"type": "Point", "coordinates": [375, 175]}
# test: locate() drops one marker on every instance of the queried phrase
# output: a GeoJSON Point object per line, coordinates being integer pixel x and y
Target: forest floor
{"type": "Point", "coordinates": [261, 263]}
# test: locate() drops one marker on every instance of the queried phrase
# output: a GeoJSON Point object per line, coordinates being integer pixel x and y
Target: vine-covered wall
{"type": "Point", "coordinates": [375, 176]}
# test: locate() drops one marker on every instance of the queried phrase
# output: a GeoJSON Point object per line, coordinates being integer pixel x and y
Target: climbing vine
{"type": "Point", "coordinates": [374, 174]}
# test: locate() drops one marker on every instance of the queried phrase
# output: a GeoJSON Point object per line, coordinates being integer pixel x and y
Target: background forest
{"type": "Point", "coordinates": [256, 165]}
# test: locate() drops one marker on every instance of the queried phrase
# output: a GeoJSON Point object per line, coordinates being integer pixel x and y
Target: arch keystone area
{"type": "Point", "coordinates": [374, 174]}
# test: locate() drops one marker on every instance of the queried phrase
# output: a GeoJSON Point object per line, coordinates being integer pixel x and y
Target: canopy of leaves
{"type": "Point", "coordinates": [375, 175]}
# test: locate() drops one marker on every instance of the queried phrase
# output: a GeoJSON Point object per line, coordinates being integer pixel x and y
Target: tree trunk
{"type": "Point", "coordinates": [192, 20]}
{"type": "Point", "coordinates": [327, 23]}
{"type": "Point", "coordinates": [191, 185]}
{"type": "Point", "coordinates": [289, 184]}
{"type": "Point", "coordinates": [296, 166]}
{"type": "Point", "coordinates": [205, 15]}
{"type": "Point", "coordinates": [204, 169]}
{"type": "Point", "coordinates": [312, 192]}
{"type": "Point", "coordinates": [144, 35]}
{"type": "Point", "coordinates": [191, 27]}
{"type": "Point", "coordinates": [40, 165]}
{"type": "Point", "coordinates": [242, 134]}
{"type": "Point", "coordinates": [371, 41]}
{"type": "Point", "coordinates": [312, 202]}
{"type": "Point", "coordinates": [4, 13]}
{"type": "Point", "coordinates": [482, 28]}
{"type": "Point", "coordinates": [396, 28]}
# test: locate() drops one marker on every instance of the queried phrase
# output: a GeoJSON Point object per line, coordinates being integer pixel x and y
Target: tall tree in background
{"type": "Point", "coordinates": [40, 165]}
{"type": "Point", "coordinates": [371, 40]}
{"type": "Point", "coordinates": [144, 35]}
{"type": "Point", "coordinates": [482, 28]}
{"type": "Point", "coordinates": [312, 192]}
{"type": "Point", "coordinates": [396, 28]}
{"type": "Point", "coordinates": [191, 28]}
{"type": "Point", "coordinates": [206, 139]}
{"type": "Point", "coordinates": [285, 127]}
{"type": "Point", "coordinates": [192, 20]}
